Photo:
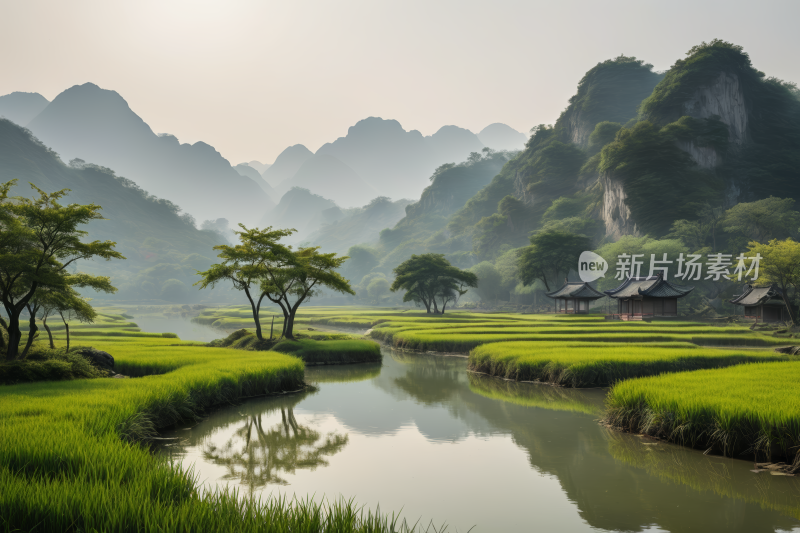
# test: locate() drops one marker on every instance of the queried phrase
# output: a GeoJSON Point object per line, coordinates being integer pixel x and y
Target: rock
{"type": "Point", "coordinates": [98, 358]}
{"type": "Point", "coordinates": [791, 350]}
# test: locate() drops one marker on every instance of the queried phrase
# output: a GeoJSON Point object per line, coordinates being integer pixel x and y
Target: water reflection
{"type": "Point", "coordinates": [425, 435]}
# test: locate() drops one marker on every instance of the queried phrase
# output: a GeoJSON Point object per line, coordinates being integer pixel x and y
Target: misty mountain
{"type": "Point", "coordinates": [287, 164]}
{"type": "Point", "coordinates": [163, 248]}
{"type": "Point", "coordinates": [99, 127]}
{"type": "Point", "coordinates": [301, 210]}
{"type": "Point", "coordinates": [395, 162]}
{"type": "Point", "coordinates": [327, 176]}
{"type": "Point", "coordinates": [20, 108]}
{"type": "Point", "coordinates": [258, 165]}
{"type": "Point", "coordinates": [246, 170]}
{"type": "Point", "coordinates": [498, 137]}
{"type": "Point", "coordinates": [359, 225]}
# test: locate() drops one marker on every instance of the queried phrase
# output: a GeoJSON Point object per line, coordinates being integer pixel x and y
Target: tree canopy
{"type": "Point", "coordinates": [39, 240]}
{"type": "Point", "coordinates": [429, 279]}
{"type": "Point", "coordinates": [551, 254]}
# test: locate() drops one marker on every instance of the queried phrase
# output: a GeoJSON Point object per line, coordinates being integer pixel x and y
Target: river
{"type": "Point", "coordinates": [421, 434]}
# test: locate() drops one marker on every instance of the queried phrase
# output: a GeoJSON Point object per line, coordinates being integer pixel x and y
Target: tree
{"type": "Point", "coordinates": [780, 264]}
{"type": "Point", "coordinates": [39, 239]}
{"type": "Point", "coordinates": [551, 254]}
{"type": "Point", "coordinates": [263, 268]}
{"type": "Point", "coordinates": [489, 279]}
{"type": "Point", "coordinates": [362, 260]}
{"type": "Point", "coordinates": [427, 278]}
{"type": "Point", "coordinates": [307, 273]}
{"type": "Point", "coordinates": [248, 264]}
{"type": "Point", "coordinates": [377, 288]}
{"type": "Point", "coordinates": [770, 218]}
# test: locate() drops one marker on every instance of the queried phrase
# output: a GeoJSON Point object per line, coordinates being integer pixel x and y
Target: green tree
{"type": "Point", "coordinates": [261, 267]}
{"type": "Point", "coordinates": [490, 281]}
{"type": "Point", "coordinates": [780, 264]}
{"type": "Point", "coordinates": [39, 239]}
{"type": "Point", "coordinates": [770, 218]}
{"type": "Point", "coordinates": [377, 289]}
{"type": "Point", "coordinates": [550, 255]}
{"type": "Point", "coordinates": [427, 278]}
{"type": "Point", "coordinates": [248, 264]}
{"type": "Point", "coordinates": [362, 260]}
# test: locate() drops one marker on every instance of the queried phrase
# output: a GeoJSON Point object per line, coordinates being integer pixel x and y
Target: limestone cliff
{"type": "Point", "coordinates": [614, 211]}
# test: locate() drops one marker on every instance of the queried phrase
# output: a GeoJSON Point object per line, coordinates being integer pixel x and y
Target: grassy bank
{"type": "Point", "coordinates": [586, 364]}
{"type": "Point", "coordinates": [541, 396]}
{"type": "Point", "coordinates": [70, 458]}
{"type": "Point", "coordinates": [747, 409]}
{"type": "Point", "coordinates": [331, 352]}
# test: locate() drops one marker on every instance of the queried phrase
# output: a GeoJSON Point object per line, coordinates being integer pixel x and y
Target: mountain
{"type": "Point", "coordinates": [396, 162]}
{"type": "Point", "coordinates": [258, 165]}
{"type": "Point", "coordinates": [451, 144]}
{"type": "Point", "coordinates": [360, 225]}
{"type": "Point", "coordinates": [287, 164]}
{"type": "Point", "coordinates": [98, 126]}
{"type": "Point", "coordinates": [160, 245]}
{"type": "Point", "coordinates": [498, 136]}
{"type": "Point", "coordinates": [20, 108]}
{"type": "Point", "coordinates": [302, 210]}
{"type": "Point", "coordinates": [327, 176]}
{"type": "Point", "coordinates": [249, 172]}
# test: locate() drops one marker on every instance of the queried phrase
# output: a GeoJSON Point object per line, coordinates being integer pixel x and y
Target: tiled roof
{"type": "Point", "coordinates": [758, 295]}
{"type": "Point", "coordinates": [652, 286]}
{"type": "Point", "coordinates": [576, 289]}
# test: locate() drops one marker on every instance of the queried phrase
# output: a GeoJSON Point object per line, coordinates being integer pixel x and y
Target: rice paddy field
{"type": "Point", "coordinates": [71, 452]}
{"type": "Point", "coordinates": [749, 409]}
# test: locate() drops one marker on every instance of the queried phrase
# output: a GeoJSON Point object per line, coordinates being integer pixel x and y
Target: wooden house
{"type": "Point", "coordinates": [574, 297]}
{"type": "Point", "coordinates": [764, 304]}
{"type": "Point", "coordinates": [647, 297]}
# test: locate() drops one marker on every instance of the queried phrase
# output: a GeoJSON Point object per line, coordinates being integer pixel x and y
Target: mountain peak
{"type": "Point", "coordinates": [20, 107]}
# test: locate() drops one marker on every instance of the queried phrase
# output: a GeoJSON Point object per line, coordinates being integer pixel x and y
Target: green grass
{"type": "Point", "coordinates": [70, 458]}
{"type": "Point", "coordinates": [331, 352]}
{"type": "Point", "coordinates": [583, 364]}
{"type": "Point", "coordinates": [746, 409]}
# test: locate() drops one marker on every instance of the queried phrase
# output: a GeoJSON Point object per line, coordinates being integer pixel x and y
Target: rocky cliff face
{"type": "Point", "coordinates": [723, 97]}
{"type": "Point", "coordinates": [614, 212]}
{"type": "Point", "coordinates": [579, 127]}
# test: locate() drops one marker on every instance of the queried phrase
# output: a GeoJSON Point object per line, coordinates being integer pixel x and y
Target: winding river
{"type": "Point", "coordinates": [421, 434]}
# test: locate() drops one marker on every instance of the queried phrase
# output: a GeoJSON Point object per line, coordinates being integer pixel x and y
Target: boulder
{"type": "Point", "coordinates": [98, 358]}
{"type": "Point", "coordinates": [791, 350]}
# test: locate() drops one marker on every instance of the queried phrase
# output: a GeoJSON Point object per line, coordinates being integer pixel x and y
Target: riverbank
{"type": "Point", "coordinates": [72, 459]}
{"type": "Point", "coordinates": [743, 411]}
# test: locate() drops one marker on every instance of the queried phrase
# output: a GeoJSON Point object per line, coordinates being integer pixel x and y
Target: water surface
{"type": "Point", "coordinates": [419, 432]}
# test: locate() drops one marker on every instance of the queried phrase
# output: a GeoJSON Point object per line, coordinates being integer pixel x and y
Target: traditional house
{"type": "Point", "coordinates": [647, 297]}
{"type": "Point", "coordinates": [765, 304]}
{"type": "Point", "coordinates": [574, 297]}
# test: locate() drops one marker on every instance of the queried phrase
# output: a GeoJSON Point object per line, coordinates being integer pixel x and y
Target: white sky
{"type": "Point", "coordinates": [253, 77]}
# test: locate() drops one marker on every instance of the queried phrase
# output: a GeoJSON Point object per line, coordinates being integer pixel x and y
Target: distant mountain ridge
{"type": "Point", "coordinates": [98, 126]}
{"type": "Point", "coordinates": [20, 108]}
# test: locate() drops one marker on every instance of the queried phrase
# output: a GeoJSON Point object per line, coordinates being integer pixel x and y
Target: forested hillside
{"type": "Point", "coordinates": [163, 247]}
{"type": "Point", "coordinates": [692, 159]}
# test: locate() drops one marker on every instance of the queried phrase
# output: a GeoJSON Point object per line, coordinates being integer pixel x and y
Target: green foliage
{"type": "Point", "coordinates": [48, 365]}
{"type": "Point", "coordinates": [762, 220]}
{"type": "Point", "coordinates": [331, 352]}
{"type": "Point", "coordinates": [604, 133]}
{"type": "Point", "coordinates": [550, 254]}
{"type": "Point", "coordinates": [378, 289]}
{"type": "Point", "coordinates": [429, 279]}
{"type": "Point", "coordinates": [661, 181]}
{"type": "Point", "coordinates": [490, 281]}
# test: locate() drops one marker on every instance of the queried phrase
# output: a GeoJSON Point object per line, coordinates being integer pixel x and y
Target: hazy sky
{"type": "Point", "coordinates": [252, 77]}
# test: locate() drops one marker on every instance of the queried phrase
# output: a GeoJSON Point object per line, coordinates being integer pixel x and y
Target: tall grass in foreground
{"type": "Point", "coordinates": [585, 364]}
{"type": "Point", "coordinates": [69, 458]}
{"type": "Point", "coordinates": [747, 409]}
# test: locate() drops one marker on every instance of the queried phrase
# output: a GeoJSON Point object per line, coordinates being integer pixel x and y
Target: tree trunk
{"type": "Point", "coordinates": [67, 327]}
{"type": "Point", "coordinates": [49, 333]}
{"type": "Point", "coordinates": [272, 327]}
{"type": "Point", "coordinates": [435, 307]}
{"type": "Point", "coordinates": [288, 327]}
{"type": "Point", "coordinates": [31, 334]}
{"type": "Point", "coordinates": [14, 337]}
{"type": "Point", "coordinates": [255, 313]}
{"type": "Point", "coordinates": [4, 327]}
